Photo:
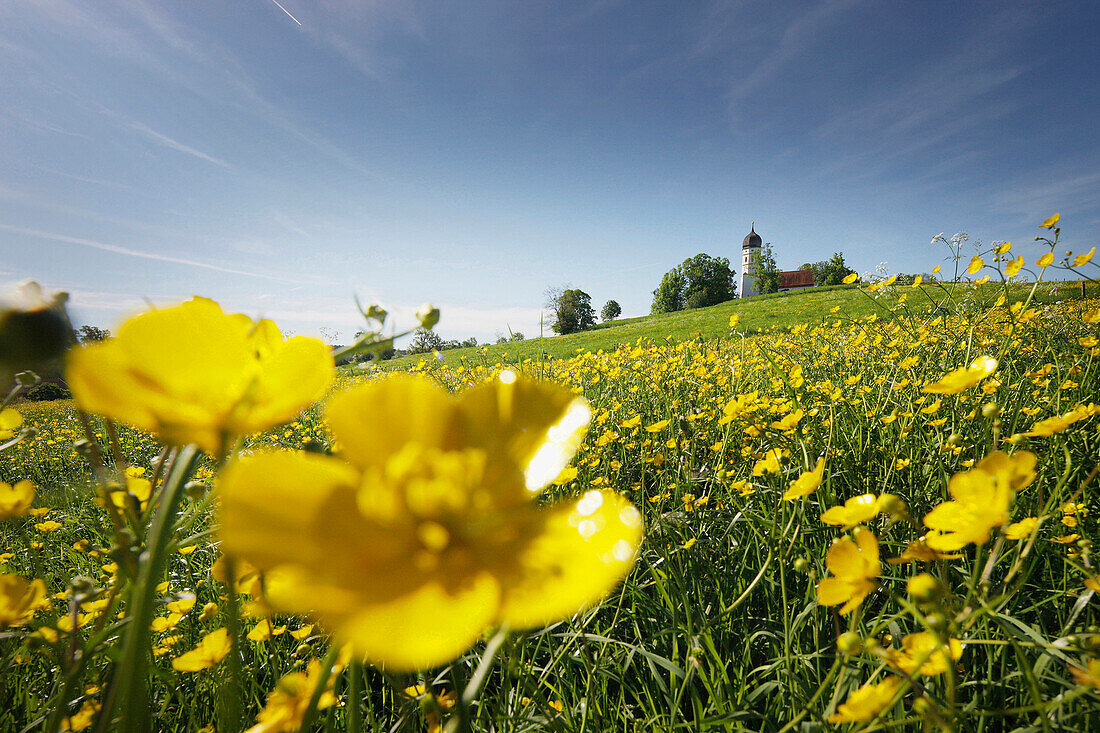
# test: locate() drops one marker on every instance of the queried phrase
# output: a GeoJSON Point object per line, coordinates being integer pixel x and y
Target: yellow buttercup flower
{"type": "Point", "coordinates": [855, 511]}
{"type": "Point", "coordinates": [982, 497]}
{"type": "Point", "coordinates": [854, 567]}
{"type": "Point", "coordinates": [426, 530]}
{"type": "Point", "coordinates": [1021, 530]}
{"type": "Point", "coordinates": [288, 702]}
{"type": "Point", "coordinates": [866, 702]}
{"type": "Point", "coordinates": [10, 419]}
{"type": "Point", "coordinates": [807, 483]}
{"type": "Point", "coordinates": [976, 263]}
{"type": "Point", "coordinates": [211, 649]}
{"type": "Point", "coordinates": [1051, 221]}
{"type": "Point", "coordinates": [789, 421]}
{"type": "Point", "coordinates": [923, 652]}
{"type": "Point", "coordinates": [194, 374]}
{"type": "Point", "coordinates": [1058, 423]}
{"type": "Point", "coordinates": [1090, 675]}
{"type": "Point", "coordinates": [1046, 260]}
{"type": "Point", "coordinates": [19, 599]}
{"type": "Point", "coordinates": [850, 278]}
{"type": "Point", "coordinates": [82, 719]}
{"type": "Point", "coordinates": [15, 499]}
{"type": "Point", "coordinates": [769, 463]}
{"type": "Point", "coordinates": [1084, 259]}
{"type": "Point", "coordinates": [657, 426]}
{"type": "Point", "coordinates": [1014, 266]}
{"type": "Point", "coordinates": [964, 377]}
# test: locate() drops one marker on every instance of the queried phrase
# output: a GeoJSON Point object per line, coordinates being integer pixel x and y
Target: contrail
{"type": "Point", "coordinates": [116, 249]}
{"type": "Point", "coordinates": [287, 12]}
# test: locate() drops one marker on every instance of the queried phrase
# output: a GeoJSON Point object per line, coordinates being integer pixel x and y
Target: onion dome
{"type": "Point", "coordinates": [753, 239]}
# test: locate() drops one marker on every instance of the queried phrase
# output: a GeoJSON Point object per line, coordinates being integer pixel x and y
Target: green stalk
{"type": "Point", "coordinates": [355, 694]}
{"type": "Point", "coordinates": [319, 688]}
{"type": "Point", "coordinates": [129, 690]}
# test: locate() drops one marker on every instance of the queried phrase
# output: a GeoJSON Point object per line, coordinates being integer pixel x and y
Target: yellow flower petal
{"type": "Point", "coordinates": [1084, 259]}
{"type": "Point", "coordinates": [211, 649]}
{"type": "Point", "coordinates": [429, 626]}
{"type": "Point", "coordinates": [15, 499]}
{"type": "Point", "coordinates": [580, 552]}
{"type": "Point", "coordinates": [807, 483]}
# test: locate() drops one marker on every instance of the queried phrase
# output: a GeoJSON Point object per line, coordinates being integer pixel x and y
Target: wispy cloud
{"type": "Point", "coordinates": [176, 145]}
{"type": "Point", "coordinates": [126, 251]}
{"type": "Point", "coordinates": [797, 39]}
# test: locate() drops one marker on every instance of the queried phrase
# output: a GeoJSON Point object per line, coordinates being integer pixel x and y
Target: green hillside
{"type": "Point", "coordinates": [757, 314]}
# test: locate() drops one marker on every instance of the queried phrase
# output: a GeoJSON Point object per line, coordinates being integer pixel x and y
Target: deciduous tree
{"type": "Point", "coordinates": [573, 312]}
{"type": "Point", "coordinates": [766, 278]}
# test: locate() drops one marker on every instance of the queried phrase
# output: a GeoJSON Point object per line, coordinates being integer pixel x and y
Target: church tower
{"type": "Point", "coordinates": [751, 244]}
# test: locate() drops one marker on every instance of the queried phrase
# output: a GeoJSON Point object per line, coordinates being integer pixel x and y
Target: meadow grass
{"type": "Point", "coordinates": [718, 627]}
{"type": "Point", "coordinates": [759, 314]}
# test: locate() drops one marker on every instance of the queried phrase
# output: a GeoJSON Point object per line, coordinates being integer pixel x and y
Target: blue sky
{"type": "Point", "coordinates": [472, 154]}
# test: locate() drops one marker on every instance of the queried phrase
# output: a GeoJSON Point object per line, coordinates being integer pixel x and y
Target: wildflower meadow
{"type": "Point", "coordinates": [873, 520]}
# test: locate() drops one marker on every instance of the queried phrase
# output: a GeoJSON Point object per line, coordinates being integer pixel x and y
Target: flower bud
{"type": "Point", "coordinates": [849, 643]}
{"type": "Point", "coordinates": [924, 588]}
{"type": "Point", "coordinates": [428, 315]}
{"type": "Point", "coordinates": [991, 409]}
{"type": "Point", "coordinates": [892, 504]}
{"type": "Point", "coordinates": [33, 331]}
{"type": "Point", "coordinates": [801, 565]}
{"type": "Point", "coordinates": [936, 621]}
{"type": "Point", "coordinates": [376, 312]}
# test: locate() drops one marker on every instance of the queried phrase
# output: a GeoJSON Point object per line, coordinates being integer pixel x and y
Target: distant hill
{"type": "Point", "coordinates": [757, 315]}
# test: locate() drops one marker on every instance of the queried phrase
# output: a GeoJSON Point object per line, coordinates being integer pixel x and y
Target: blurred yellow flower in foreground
{"type": "Point", "coordinates": [15, 499]}
{"type": "Point", "coordinates": [964, 377]}
{"type": "Point", "coordinates": [19, 599]}
{"type": "Point", "coordinates": [982, 497]}
{"type": "Point", "coordinates": [9, 420]}
{"type": "Point", "coordinates": [194, 374]}
{"type": "Point", "coordinates": [427, 531]}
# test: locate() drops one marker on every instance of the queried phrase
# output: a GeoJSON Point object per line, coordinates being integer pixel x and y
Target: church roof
{"type": "Point", "coordinates": [752, 239]}
{"type": "Point", "coordinates": [796, 279]}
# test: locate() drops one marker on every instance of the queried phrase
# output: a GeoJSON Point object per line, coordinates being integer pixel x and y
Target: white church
{"type": "Point", "coordinates": [788, 280]}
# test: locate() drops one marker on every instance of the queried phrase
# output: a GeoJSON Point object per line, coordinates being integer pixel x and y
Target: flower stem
{"type": "Point", "coordinates": [129, 688]}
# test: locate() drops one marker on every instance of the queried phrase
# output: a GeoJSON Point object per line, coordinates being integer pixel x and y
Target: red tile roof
{"type": "Point", "coordinates": [796, 279]}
